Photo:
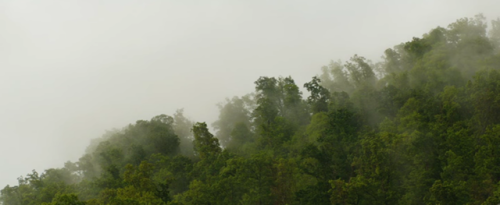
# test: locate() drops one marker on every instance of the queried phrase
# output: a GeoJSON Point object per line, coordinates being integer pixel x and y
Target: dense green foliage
{"type": "Point", "coordinates": [420, 127]}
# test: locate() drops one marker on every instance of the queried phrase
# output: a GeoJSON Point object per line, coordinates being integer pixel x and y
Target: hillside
{"type": "Point", "coordinates": [420, 127]}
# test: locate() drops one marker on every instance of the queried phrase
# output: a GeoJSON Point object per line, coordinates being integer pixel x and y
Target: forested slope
{"type": "Point", "coordinates": [420, 127]}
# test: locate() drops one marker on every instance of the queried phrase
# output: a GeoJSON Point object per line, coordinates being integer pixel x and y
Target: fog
{"type": "Point", "coordinates": [72, 69]}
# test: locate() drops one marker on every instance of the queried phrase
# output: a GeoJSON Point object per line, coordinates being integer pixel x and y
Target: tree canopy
{"type": "Point", "coordinates": [420, 127]}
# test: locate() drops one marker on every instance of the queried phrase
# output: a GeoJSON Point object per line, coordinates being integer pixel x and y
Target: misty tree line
{"type": "Point", "coordinates": [420, 127]}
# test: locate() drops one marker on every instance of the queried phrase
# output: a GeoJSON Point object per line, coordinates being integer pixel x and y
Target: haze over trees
{"type": "Point", "coordinates": [420, 127]}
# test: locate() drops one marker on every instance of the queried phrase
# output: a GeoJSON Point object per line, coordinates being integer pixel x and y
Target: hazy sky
{"type": "Point", "coordinates": [69, 70]}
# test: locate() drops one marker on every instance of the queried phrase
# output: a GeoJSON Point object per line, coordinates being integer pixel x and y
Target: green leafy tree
{"type": "Point", "coordinates": [320, 96]}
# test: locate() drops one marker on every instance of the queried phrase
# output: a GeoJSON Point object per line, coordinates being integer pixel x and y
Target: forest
{"type": "Point", "coordinates": [422, 126]}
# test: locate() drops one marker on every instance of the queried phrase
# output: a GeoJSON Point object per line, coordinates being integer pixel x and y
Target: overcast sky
{"type": "Point", "coordinates": [69, 70]}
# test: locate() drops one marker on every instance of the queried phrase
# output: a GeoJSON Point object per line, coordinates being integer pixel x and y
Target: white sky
{"type": "Point", "coordinates": [69, 70]}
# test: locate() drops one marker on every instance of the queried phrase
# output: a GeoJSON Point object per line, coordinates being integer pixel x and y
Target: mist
{"type": "Point", "coordinates": [70, 70]}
